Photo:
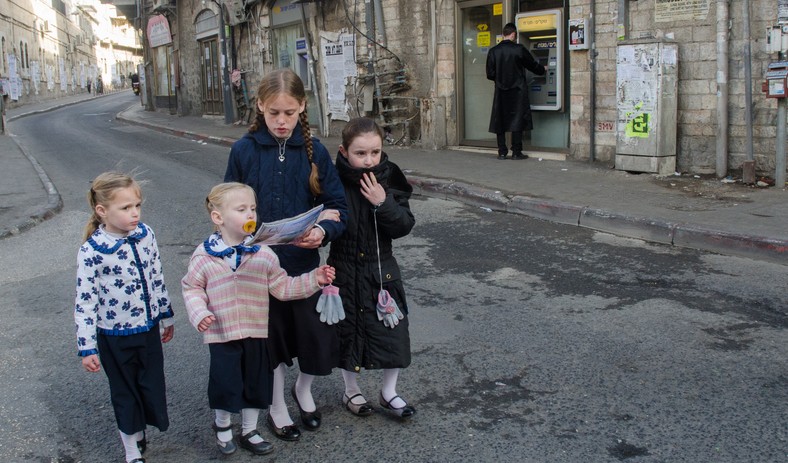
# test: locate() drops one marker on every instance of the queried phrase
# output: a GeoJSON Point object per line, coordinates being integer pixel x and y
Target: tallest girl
{"type": "Point", "coordinates": [291, 173]}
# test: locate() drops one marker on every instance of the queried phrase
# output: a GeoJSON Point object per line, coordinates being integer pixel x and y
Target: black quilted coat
{"type": "Point", "coordinates": [364, 340]}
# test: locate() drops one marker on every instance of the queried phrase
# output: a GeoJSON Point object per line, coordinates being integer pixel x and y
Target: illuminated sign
{"type": "Point", "coordinates": [537, 23]}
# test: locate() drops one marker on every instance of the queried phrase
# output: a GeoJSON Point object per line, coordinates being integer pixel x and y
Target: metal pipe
{"type": "Point", "coordinates": [723, 16]}
{"type": "Point", "coordinates": [747, 79]}
{"type": "Point", "coordinates": [380, 28]}
{"type": "Point", "coordinates": [311, 66]}
{"type": "Point", "coordinates": [592, 77]}
{"type": "Point", "coordinates": [226, 93]}
{"type": "Point", "coordinates": [779, 160]}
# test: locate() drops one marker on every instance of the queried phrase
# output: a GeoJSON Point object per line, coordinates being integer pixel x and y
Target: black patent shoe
{"type": "Point", "coordinates": [286, 433]}
{"type": "Point", "coordinates": [501, 157]}
{"type": "Point", "coordinates": [142, 445]}
{"type": "Point", "coordinates": [260, 448]}
{"type": "Point", "coordinates": [227, 448]}
{"type": "Point", "coordinates": [406, 411]}
{"type": "Point", "coordinates": [311, 420]}
{"type": "Point", "coordinates": [364, 409]}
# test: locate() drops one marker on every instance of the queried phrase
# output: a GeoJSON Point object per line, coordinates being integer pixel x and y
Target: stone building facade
{"type": "Point", "coordinates": [417, 66]}
{"type": "Point", "coordinates": [52, 48]}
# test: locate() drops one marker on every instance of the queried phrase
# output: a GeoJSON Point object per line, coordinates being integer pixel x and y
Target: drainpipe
{"type": "Point", "coordinates": [311, 66]}
{"type": "Point", "coordinates": [723, 17]}
{"type": "Point", "coordinates": [748, 166]}
{"type": "Point", "coordinates": [592, 75]}
{"type": "Point", "coordinates": [380, 28]}
{"type": "Point", "coordinates": [228, 97]}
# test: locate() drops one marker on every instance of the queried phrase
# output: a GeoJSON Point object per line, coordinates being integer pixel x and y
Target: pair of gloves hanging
{"type": "Point", "coordinates": [331, 311]}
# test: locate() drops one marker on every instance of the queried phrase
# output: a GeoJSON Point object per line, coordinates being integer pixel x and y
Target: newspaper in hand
{"type": "Point", "coordinates": [286, 231]}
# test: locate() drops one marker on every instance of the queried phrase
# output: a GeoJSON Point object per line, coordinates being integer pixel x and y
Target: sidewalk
{"type": "Point", "coordinates": [684, 211]}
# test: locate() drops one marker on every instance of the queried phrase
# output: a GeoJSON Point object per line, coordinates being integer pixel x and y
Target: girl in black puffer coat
{"type": "Point", "coordinates": [377, 195]}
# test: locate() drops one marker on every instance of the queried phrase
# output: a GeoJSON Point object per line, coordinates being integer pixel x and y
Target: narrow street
{"type": "Point", "coordinates": [532, 341]}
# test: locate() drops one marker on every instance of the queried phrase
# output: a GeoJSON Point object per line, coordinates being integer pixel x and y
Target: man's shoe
{"type": "Point", "coordinates": [501, 157]}
{"type": "Point", "coordinates": [260, 448]}
{"type": "Point", "coordinates": [518, 156]}
{"type": "Point", "coordinates": [287, 433]}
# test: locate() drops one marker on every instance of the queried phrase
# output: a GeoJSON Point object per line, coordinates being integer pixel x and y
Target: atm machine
{"type": "Point", "coordinates": [542, 33]}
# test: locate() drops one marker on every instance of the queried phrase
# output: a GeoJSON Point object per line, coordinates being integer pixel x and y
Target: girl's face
{"type": "Point", "coordinates": [122, 214]}
{"type": "Point", "coordinates": [281, 114]}
{"type": "Point", "coordinates": [239, 207]}
{"type": "Point", "coordinates": [364, 151]}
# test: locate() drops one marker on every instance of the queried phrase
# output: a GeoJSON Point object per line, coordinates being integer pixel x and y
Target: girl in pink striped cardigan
{"type": "Point", "coordinates": [226, 295]}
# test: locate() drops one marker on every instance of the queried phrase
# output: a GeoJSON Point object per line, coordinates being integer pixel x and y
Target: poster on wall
{"type": "Point", "coordinates": [335, 66]}
{"type": "Point", "coordinates": [13, 78]}
{"type": "Point", "coordinates": [63, 78]}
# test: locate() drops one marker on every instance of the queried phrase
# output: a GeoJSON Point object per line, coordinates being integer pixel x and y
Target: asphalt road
{"type": "Point", "coordinates": [532, 341]}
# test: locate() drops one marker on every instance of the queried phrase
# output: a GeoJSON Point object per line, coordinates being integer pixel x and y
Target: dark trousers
{"type": "Point", "coordinates": [517, 143]}
{"type": "Point", "coordinates": [134, 365]}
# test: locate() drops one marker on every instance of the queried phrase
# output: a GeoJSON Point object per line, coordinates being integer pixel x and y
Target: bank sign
{"type": "Point", "coordinates": [158, 31]}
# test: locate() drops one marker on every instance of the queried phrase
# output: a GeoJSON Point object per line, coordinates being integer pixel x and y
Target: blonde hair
{"type": "Point", "coordinates": [102, 191]}
{"type": "Point", "coordinates": [285, 81]}
{"type": "Point", "coordinates": [217, 197]}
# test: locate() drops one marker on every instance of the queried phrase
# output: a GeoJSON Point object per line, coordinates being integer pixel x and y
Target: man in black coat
{"type": "Point", "coordinates": [511, 110]}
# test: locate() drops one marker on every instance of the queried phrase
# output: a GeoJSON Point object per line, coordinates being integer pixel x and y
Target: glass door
{"type": "Point", "coordinates": [212, 101]}
{"type": "Point", "coordinates": [481, 24]}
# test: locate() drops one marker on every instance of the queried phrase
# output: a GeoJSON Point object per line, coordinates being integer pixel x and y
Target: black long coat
{"type": "Point", "coordinates": [364, 340]}
{"type": "Point", "coordinates": [507, 63]}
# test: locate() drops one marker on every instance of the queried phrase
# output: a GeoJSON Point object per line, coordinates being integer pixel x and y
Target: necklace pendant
{"type": "Point", "coordinates": [281, 158]}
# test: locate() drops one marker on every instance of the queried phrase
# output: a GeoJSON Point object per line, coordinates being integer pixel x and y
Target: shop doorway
{"type": "Point", "coordinates": [480, 23]}
{"type": "Point", "coordinates": [212, 100]}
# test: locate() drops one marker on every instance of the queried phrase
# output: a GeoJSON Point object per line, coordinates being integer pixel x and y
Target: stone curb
{"type": "Point", "coordinates": [223, 141]}
{"type": "Point", "coordinates": [648, 229]}
{"type": "Point", "coordinates": [53, 206]}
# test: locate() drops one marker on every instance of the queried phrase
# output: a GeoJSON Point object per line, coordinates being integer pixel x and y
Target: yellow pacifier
{"type": "Point", "coordinates": [250, 226]}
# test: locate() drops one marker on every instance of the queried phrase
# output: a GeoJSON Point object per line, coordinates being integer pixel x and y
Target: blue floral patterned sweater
{"type": "Point", "coordinates": [120, 287]}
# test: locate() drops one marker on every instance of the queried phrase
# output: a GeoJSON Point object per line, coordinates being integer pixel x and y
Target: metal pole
{"type": "Point", "coordinates": [779, 160]}
{"type": "Point", "coordinates": [748, 166]}
{"type": "Point", "coordinates": [227, 95]}
{"type": "Point", "coordinates": [592, 77]}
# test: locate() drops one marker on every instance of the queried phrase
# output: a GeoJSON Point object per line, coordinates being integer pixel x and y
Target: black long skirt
{"type": "Point", "coordinates": [295, 331]}
{"type": "Point", "coordinates": [134, 365]}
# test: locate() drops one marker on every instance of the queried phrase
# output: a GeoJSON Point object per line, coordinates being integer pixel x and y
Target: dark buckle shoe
{"type": "Point", "coordinates": [227, 448]}
{"type": "Point", "coordinates": [406, 411]}
{"type": "Point", "coordinates": [364, 409]}
{"type": "Point", "coordinates": [518, 156]}
{"type": "Point", "coordinates": [311, 420]}
{"type": "Point", "coordinates": [286, 433]}
{"type": "Point", "coordinates": [260, 448]}
{"type": "Point", "coordinates": [142, 445]}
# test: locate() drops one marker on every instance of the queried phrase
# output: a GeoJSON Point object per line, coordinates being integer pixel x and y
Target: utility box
{"type": "Point", "coordinates": [646, 104]}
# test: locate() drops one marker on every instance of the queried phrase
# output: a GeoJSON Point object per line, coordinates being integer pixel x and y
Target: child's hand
{"type": "Point", "coordinates": [325, 274]}
{"type": "Point", "coordinates": [205, 323]}
{"type": "Point", "coordinates": [329, 214]}
{"type": "Point", "coordinates": [91, 363]}
{"type": "Point", "coordinates": [167, 333]}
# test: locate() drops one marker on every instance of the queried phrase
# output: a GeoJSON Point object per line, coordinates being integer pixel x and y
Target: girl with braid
{"type": "Point", "coordinates": [291, 173]}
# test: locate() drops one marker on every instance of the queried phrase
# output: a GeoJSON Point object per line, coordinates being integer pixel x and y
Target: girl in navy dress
{"type": "Point", "coordinates": [122, 310]}
{"type": "Point", "coordinates": [291, 173]}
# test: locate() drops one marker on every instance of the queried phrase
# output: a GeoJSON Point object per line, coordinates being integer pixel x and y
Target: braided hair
{"type": "Point", "coordinates": [285, 81]}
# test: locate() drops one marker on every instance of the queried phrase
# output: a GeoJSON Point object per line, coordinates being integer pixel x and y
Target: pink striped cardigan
{"type": "Point", "coordinates": [239, 300]}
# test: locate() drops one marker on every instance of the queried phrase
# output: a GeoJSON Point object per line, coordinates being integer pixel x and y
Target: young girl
{"type": "Point", "coordinates": [226, 295]}
{"type": "Point", "coordinates": [121, 304]}
{"type": "Point", "coordinates": [291, 173]}
{"type": "Point", "coordinates": [377, 193]}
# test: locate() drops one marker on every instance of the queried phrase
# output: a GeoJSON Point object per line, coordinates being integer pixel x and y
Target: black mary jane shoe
{"type": "Point", "coordinates": [226, 448]}
{"type": "Point", "coordinates": [311, 420]}
{"type": "Point", "coordinates": [406, 411]}
{"type": "Point", "coordinates": [138, 460]}
{"type": "Point", "coordinates": [364, 409]}
{"type": "Point", "coordinates": [142, 445]}
{"type": "Point", "coordinates": [286, 433]}
{"type": "Point", "coordinates": [260, 448]}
